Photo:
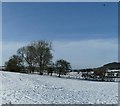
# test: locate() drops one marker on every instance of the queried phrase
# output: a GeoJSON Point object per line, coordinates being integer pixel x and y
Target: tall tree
{"type": "Point", "coordinates": [42, 54]}
{"type": "Point", "coordinates": [62, 66]}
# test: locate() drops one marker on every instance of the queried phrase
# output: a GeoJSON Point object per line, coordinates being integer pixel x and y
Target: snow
{"type": "Point", "coordinates": [20, 88]}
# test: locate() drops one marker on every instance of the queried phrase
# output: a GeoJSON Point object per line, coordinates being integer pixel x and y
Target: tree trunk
{"type": "Point", "coordinates": [41, 70]}
{"type": "Point", "coordinates": [59, 74]}
{"type": "Point", "coordinates": [50, 74]}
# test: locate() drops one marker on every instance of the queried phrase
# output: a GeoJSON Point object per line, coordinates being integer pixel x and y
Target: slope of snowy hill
{"type": "Point", "coordinates": [20, 88]}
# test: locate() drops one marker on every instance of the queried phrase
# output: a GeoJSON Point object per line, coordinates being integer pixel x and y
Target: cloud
{"type": "Point", "coordinates": [81, 54]}
{"type": "Point", "coordinates": [87, 53]}
{"type": "Point", "coordinates": [10, 48]}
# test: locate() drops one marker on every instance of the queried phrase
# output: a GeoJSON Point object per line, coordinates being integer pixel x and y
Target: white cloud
{"type": "Point", "coordinates": [87, 53]}
{"type": "Point", "coordinates": [10, 48]}
{"type": "Point", "coordinates": [81, 54]}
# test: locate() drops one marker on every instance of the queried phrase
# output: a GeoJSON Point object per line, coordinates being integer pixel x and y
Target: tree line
{"type": "Point", "coordinates": [37, 57]}
{"type": "Point", "coordinates": [101, 73]}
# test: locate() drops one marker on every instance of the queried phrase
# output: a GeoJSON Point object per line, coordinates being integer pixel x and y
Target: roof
{"type": "Point", "coordinates": [113, 70]}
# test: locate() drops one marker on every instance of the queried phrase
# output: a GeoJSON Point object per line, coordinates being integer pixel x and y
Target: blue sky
{"type": "Point", "coordinates": [83, 33]}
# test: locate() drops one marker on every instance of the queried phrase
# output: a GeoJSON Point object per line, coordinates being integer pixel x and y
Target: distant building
{"type": "Point", "coordinates": [113, 73]}
{"type": "Point", "coordinates": [110, 75]}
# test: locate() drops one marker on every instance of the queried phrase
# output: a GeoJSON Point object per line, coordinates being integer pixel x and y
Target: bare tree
{"type": "Point", "coordinates": [27, 54]}
{"type": "Point", "coordinates": [42, 54]}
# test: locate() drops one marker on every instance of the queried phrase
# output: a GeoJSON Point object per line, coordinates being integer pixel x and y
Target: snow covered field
{"type": "Point", "coordinates": [35, 89]}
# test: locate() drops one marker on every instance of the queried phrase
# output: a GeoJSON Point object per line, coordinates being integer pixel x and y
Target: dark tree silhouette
{"type": "Point", "coordinates": [14, 64]}
{"type": "Point", "coordinates": [62, 66]}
